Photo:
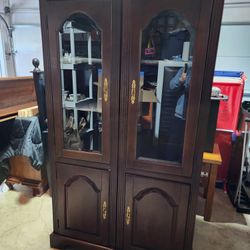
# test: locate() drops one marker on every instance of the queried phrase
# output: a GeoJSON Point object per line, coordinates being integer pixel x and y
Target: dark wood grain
{"type": "Point", "coordinates": [59, 242]}
{"type": "Point", "coordinates": [49, 108]}
{"type": "Point", "coordinates": [215, 24]}
{"type": "Point", "coordinates": [158, 211]}
{"type": "Point", "coordinates": [82, 192]}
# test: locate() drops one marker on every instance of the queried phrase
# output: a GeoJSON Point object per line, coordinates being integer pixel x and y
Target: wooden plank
{"type": "Point", "coordinates": [212, 158]}
{"type": "Point", "coordinates": [16, 90]}
{"type": "Point", "coordinates": [13, 110]}
{"type": "Point", "coordinates": [28, 112]}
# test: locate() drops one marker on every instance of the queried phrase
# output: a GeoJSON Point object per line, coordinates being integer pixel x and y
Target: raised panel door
{"type": "Point", "coordinates": [155, 214]}
{"type": "Point", "coordinates": [83, 203]}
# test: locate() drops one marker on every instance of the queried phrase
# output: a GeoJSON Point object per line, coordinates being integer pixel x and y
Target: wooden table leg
{"type": "Point", "coordinates": [210, 192]}
{"type": "Point", "coordinates": [206, 169]}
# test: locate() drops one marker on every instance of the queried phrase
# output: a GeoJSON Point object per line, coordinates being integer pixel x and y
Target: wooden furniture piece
{"type": "Point", "coordinates": [18, 98]}
{"type": "Point", "coordinates": [22, 172]}
{"type": "Point", "coordinates": [16, 93]}
{"type": "Point", "coordinates": [113, 185]}
{"type": "Point", "coordinates": [12, 112]}
{"type": "Point", "coordinates": [211, 162]}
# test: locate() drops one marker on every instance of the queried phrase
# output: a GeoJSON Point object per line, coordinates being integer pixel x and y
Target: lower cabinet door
{"type": "Point", "coordinates": [83, 203]}
{"type": "Point", "coordinates": [155, 214]}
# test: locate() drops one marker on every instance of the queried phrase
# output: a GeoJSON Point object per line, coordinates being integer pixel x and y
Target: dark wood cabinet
{"type": "Point", "coordinates": [128, 86]}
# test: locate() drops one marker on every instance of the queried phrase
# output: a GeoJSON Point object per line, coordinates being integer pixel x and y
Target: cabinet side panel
{"type": "Point", "coordinates": [215, 25]}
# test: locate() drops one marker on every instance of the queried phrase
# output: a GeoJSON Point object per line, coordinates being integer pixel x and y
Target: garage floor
{"type": "Point", "coordinates": [25, 224]}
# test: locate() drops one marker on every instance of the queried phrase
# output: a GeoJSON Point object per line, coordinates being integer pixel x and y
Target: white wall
{"type": "Point", "coordinates": [3, 67]}
{"type": "Point", "coordinates": [236, 12]}
{"type": "Point", "coordinates": [25, 19]}
{"type": "Point", "coordinates": [7, 63]}
{"type": "Point", "coordinates": [25, 12]}
{"type": "Point", "coordinates": [234, 44]}
{"type": "Point", "coordinates": [27, 42]}
{"type": "Point", "coordinates": [27, 34]}
{"type": "Point", "coordinates": [233, 51]}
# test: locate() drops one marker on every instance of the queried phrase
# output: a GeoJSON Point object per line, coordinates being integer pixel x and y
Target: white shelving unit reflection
{"type": "Point", "coordinates": [69, 61]}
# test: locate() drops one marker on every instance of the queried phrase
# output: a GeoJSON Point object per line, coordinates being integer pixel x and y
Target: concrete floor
{"type": "Point", "coordinates": [227, 230]}
{"type": "Point", "coordinates": [223, 210]}
{"type": "Point", "coordinates": [25, 224]}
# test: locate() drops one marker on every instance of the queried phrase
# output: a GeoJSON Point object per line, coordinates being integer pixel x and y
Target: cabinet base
{"type": "Point", "coordinates": [63, 243]}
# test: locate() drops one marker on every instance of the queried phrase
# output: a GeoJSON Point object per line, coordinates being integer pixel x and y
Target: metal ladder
{"type": "Point", "coordinates": [242, 195]}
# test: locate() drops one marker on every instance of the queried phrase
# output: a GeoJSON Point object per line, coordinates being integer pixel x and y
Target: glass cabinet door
{"type": "Point", "coordinates": [165, 85]}
{"type": "Point", "coordinates": [81, 52]}
{"type": "Point", "coordinates": [81, 78]}
{"type": "Point", "coordinates": [165, 76]}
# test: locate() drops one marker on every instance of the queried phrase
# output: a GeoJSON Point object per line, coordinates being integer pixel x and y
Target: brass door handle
{"type": "Point", "coordinates": [133, 92]}
{"type": "Point", "coordinates": [105, 89]}
{"type": "Point", "coordinates": [104, 210]}
{"type": "Point", "coordinates": [128, 215]}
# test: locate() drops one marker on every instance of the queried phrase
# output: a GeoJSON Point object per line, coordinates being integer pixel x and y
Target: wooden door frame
{"type": "Point", "coordinates": [200, 22]}
{"type": "Point", "coordinates": [56, 22]}
{"type": "Point", "coordinates": [215, 26]}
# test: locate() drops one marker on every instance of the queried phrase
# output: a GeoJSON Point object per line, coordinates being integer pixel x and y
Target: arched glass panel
{"type": "Point", "coordinates": [81, 78]}
{"type": "Point", "coordinates": [165, 74]}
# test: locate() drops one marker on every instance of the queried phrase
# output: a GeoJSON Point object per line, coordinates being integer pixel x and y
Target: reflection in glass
{"type": "Point", "coordinates": [81, 78]}
{"type": "Point", "coordinates": [166, 63]}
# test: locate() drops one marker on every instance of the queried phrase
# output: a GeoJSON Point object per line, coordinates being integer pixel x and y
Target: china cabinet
{"type": "Point", "coordinates": [127, 87]}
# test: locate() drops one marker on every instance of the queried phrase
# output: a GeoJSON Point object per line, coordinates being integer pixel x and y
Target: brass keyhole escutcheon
{"type": "Point", "coordinates": [128, 215]}
{"type": "Point", "coordinates": [104, 210]}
